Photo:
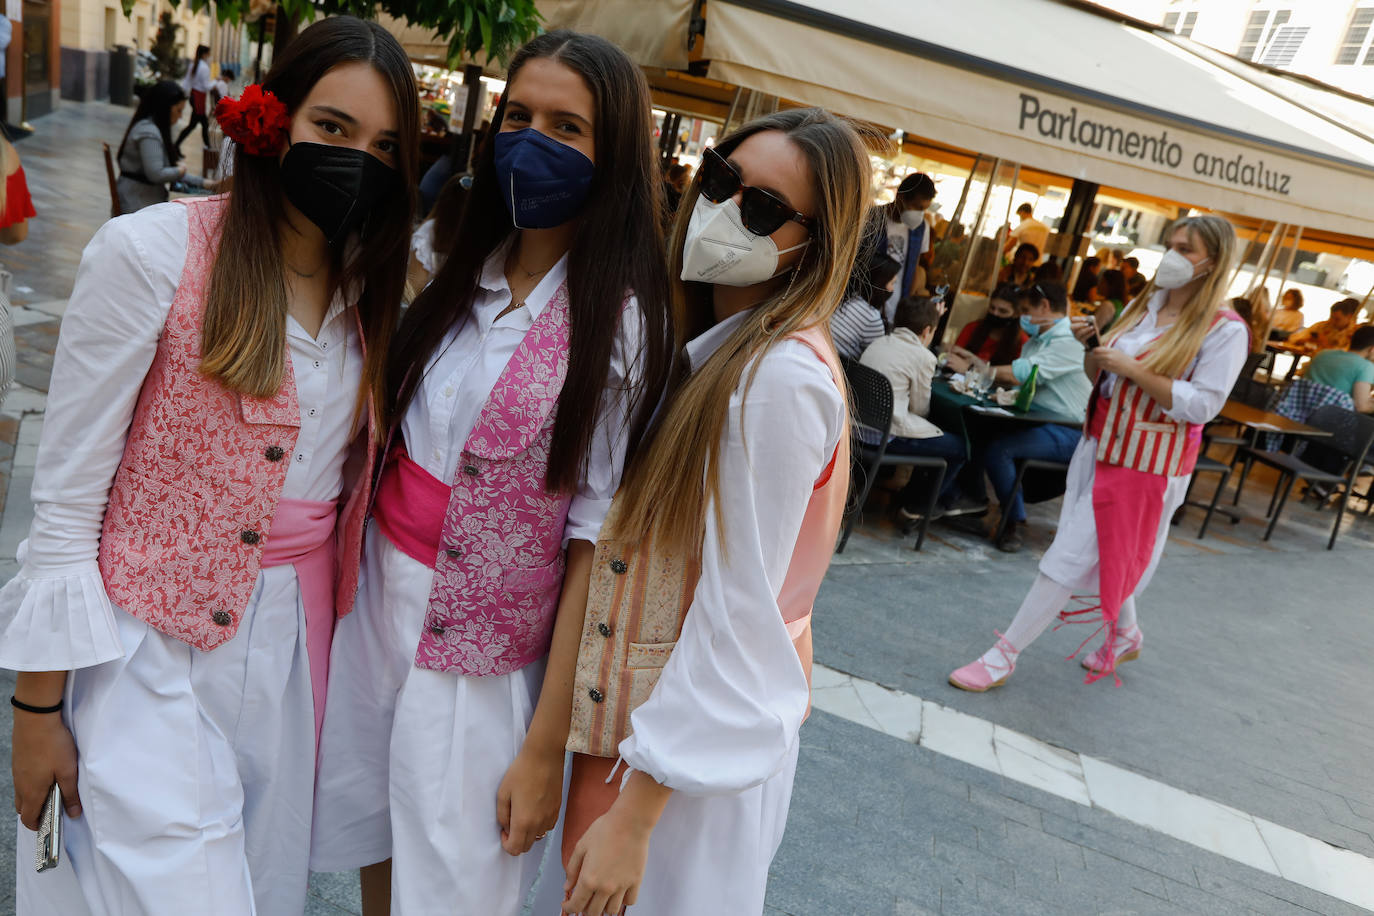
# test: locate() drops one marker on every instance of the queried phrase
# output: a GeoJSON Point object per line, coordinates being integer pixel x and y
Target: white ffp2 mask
{"type": "Point", "coordinates": [718, 249]}
{"type": "Point", "coordinates": [912, 219]}
{"type": "Point", "coordinates": [1175, 270]}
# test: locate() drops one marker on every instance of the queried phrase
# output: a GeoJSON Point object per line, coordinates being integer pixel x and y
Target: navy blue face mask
{"type": "Point", "coordinates": [543, 182]}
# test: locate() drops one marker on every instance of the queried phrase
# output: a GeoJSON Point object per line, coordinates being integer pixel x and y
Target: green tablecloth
{"type": "Point", "coordinates": [960, 414]}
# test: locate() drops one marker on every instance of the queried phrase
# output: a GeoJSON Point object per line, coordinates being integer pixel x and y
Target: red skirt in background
{"type": "Point", "coordinates": [18, 203]}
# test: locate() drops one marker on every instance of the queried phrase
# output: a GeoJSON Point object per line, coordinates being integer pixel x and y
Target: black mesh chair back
{"type": "Point", "coordinates": [871, 394]}
{"type": "Point", "coordinates": [1351, 433]}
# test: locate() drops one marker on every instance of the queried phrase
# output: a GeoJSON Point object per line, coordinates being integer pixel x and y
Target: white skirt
{"type": "Point", "coordinates": [1071, 559]}
{"type": "Point", "coordinates": [195, 773]}
{"type": "Point", "coordinates": [411, 759]}
{"type": "Point", "coordinates": [711, 854]}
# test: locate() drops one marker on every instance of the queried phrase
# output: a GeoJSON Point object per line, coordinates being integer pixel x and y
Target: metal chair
{"type": "Point", "coordinates": [115, 209]}
{"type": "Point", "coordinates": [1207, 465]}
{"type": "Point", "coordinates": [1059, 469]}
{"type": "Point", "coordinates": [870, 426]}
{"type": "Point", "coordinates": [1351, 437]}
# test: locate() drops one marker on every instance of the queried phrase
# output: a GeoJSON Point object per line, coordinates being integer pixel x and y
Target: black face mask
{"type": "Point", "coordinates": [998, 322]}
{"type": "Point", "coordinates": [335, 187]}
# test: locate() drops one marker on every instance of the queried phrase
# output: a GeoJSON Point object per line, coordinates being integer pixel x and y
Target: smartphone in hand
{"type": "Point", "coordinates": [1092, 341]}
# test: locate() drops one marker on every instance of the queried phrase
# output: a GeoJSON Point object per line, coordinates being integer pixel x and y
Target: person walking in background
{"type": "Point", "coordinates": [696, 652]}
{"type": "Point", "coordinates": [194, 536]}
{"type": "Point", "coordinates": [521, 379]}
{"type": "Point", "coordinates": [909, 237]}
{"type": "Point", "coordinates": [197, 86]}
{"type": "Point", "coordinates": [905, 359]}
{"type": "Point", "coordinates": [1166, 369]}
{"type": "Point", "coordinates": [997, 337]}
{"type": "Point", "coordinates": [147, 157]}
{"type": "Point", "coordinates": [16, 208]}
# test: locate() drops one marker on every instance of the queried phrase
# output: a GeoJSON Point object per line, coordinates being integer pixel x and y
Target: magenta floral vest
{"type": "Point", "coordinates": [202, 473]}
{"type": "Point", "coordinates": [500, 567]}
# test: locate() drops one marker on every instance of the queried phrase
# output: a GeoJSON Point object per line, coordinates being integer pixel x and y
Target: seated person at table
{"type": "Point", "coordinates": [1061, 388]}
{"type": "Point", "coordinates": [1289, 316]}
{"type": "Point", "coordinates": [1087, 279]}
{"type": "Point", "coordinates": [1331, 334]}
{"type": "Point", "coordinates": [1135, 282]}
{"type": "Point", "coordinates": [1109, 296]}
{"type": "Point", "coordinates": [904, 357]}
{"type": "Point", "coordinates": [1021, 270]}
{"type": "Point", "coordinates": [997, 337]}
{"type": "Point", "coordinates": [859, 319]}
{"type": "Point", "coordinates": [1350, 370]}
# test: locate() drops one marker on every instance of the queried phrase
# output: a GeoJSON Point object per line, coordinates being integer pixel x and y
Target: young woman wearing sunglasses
{"type": "Point", "coordinates": [522, 376]}
{"type": "Point", "coordinates": [696, 647]}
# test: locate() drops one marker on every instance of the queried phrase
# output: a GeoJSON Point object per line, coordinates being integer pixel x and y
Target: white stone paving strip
{"type": "Point", "coordinates": [1199, 821]}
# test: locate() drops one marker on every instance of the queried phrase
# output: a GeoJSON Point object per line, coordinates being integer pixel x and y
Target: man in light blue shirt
{"type": "Point", "coordinates": [1061, 387]}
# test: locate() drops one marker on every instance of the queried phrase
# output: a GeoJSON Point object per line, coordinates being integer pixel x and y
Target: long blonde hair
{"type": "Point", "coordinates": [677, 473]}
{"type": "Point", "coordinates": [1178, 346]}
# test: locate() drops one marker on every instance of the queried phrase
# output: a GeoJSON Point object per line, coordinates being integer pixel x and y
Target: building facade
{"type": "Point", "coordinates": [92, 29]}
{"type": "Point", "coordinates": [1328, 40]}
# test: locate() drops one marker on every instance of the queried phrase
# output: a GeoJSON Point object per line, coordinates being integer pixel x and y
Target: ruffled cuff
{"type": "Point", "coordinates": [58, 621]}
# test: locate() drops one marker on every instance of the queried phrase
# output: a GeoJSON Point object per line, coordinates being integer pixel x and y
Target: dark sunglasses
{"type": "Point", "coordinates": [762, 212]}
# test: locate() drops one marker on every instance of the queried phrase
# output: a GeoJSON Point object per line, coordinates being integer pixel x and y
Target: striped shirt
{"type": "Point", "coordinates": [854, 326]}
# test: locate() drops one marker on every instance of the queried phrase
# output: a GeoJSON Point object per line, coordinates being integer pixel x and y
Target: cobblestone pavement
{"type": "Point", "coordinates": [1250, 697]}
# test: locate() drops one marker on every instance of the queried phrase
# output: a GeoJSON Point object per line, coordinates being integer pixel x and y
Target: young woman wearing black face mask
{"type": "Point", "coordinates": [520, 379]}
{"type": "Point", "coordinates": [194, 535]}
{"type": "Point", "coordinates": [996, 338]}
{"type": "Point", "coordinates": [860, 318]}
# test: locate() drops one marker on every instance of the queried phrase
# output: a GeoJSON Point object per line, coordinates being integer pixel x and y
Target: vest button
{"type": "Point", "coordinates": [618, 567]}
{"type": "Point", "coordinates": [471, 470]}
{"type": "Point", "coordinates": [603, 629]}
{"type": "Point", "coordinates": [436, 630]}
{"type": "Point", "coordinates": [274, 453]}
{"type": "Point", "coordinates": [222, 618]}
{"type": "Point", "coordinates": [453, 553]}
{"type": "Point", "coordinates": [250, 537]}
{"type": "Point", "coordinates": [596, 695]}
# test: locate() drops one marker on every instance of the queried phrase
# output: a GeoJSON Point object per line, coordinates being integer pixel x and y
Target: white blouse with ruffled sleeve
{"type": "Point", "coordinates": [55, 614]}
{"type": "Point", "coordinates": [725, 714]}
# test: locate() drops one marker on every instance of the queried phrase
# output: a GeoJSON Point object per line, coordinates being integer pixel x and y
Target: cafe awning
{"type": "Point", "coordinates": [1060, 85]}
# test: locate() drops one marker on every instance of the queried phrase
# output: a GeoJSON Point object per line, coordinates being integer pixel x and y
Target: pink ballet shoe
{"type": "Point", "coordinates": [1100, 661]}
{"type": "Point", "coordinates": [975, 676]}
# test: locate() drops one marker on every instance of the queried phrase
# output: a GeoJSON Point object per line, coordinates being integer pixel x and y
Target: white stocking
{"type": "Point", "coordinates": [1041, 606]}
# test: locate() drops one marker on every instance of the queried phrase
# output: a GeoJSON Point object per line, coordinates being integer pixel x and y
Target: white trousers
{"type": "Point", "coordinates": [411, 759]}
{"type": "Point", "coordinates": [195, 774]}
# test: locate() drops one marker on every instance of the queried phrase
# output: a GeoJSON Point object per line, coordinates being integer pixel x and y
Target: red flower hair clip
{"type": "Point", "coordinates": [257, 121]}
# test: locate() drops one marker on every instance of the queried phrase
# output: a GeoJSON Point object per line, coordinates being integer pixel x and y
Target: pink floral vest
{"type": "Point", "coordinates": [499, 571]}
{"type": "Point", "coordinates": [202, 473]}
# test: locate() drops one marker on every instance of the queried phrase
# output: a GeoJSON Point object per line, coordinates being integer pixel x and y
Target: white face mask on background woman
{"type": "Point", "coordinates": [718, 249]}
{"type": "Point", "coordinates": [912, 219]}
{"type": "Point", "coordinates": [1175, 270]}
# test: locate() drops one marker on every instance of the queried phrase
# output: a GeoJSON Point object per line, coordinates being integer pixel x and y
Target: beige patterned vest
{"type": "Point", "coordinates": [639, 597]}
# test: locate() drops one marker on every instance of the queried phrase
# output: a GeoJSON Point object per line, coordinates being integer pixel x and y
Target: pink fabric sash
{"type": "Point", "coordinates": [303, 535]}
{"type": "Point", "coordinates": [410, 507]}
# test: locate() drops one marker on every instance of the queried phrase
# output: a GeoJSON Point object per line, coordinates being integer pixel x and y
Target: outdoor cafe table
{"type": "Point", "coordinates": [1267, 422]}
{"type": "Point", "coordinates": [955, 413]}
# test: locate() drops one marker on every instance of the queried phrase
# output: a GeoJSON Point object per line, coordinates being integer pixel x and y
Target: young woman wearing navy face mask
{"type": "Point", "coordinates": [521, 377]}
{"type": "Point", "coordinates": [195, 533]}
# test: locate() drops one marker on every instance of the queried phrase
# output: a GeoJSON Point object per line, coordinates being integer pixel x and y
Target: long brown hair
{"type": "Point", "coordinates": [666, 491]}
{"type": "Point", "coordinates": [1178, 346]}
{"type": "Point", "coordinates": [243, 340]}
{"type": "Point", "coordinates": [619, 253]}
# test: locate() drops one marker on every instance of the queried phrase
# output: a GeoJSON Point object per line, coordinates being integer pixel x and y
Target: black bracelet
{"type": "Point", "coordinates": [19, 704]}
